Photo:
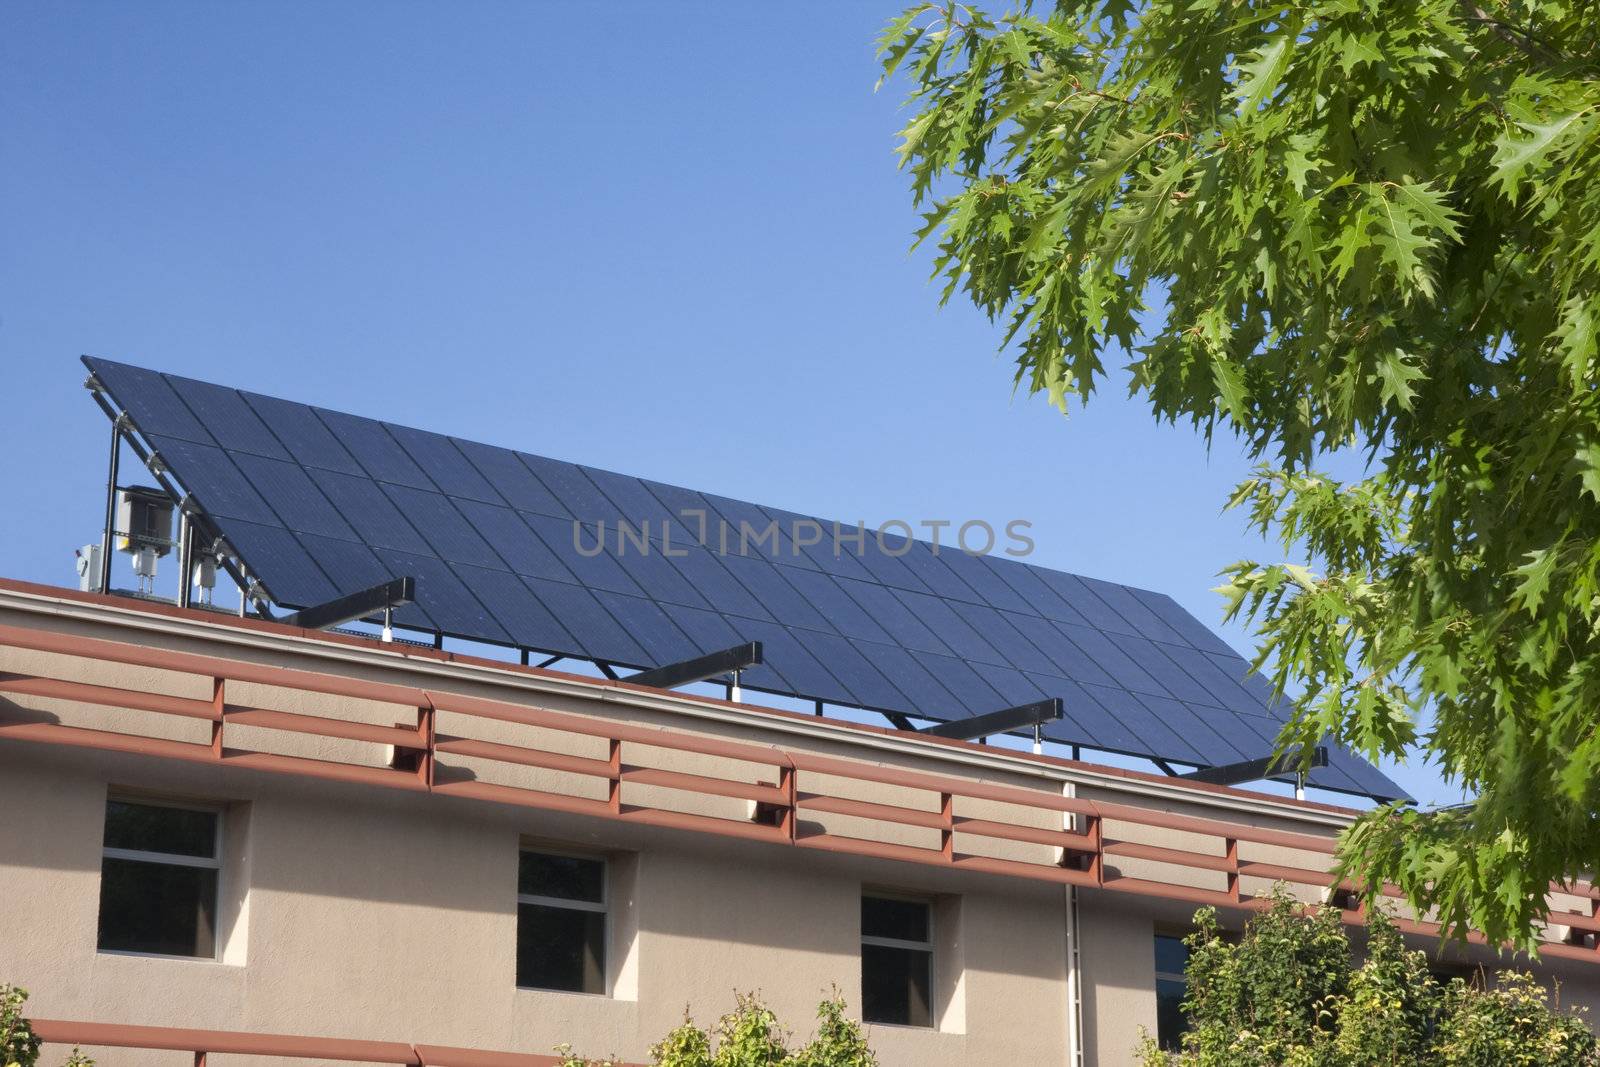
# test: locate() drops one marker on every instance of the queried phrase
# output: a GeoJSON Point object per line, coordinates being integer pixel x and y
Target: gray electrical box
{"type": "Point", "coordinates": [144, 520]}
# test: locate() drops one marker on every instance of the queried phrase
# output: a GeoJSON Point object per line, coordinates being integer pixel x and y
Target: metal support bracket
{"type": "Point", "coordinates": [1255, 770]}
{"type": "Point", "coordinates": [380, 598]}
{"type": "Point", "coordinates": [729, 660]}
{"type": "Point", "coordinates": [1035, 714]}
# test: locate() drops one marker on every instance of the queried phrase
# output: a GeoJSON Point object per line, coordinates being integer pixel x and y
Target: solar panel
{"type": "Point", "coordinates": [507, 548]}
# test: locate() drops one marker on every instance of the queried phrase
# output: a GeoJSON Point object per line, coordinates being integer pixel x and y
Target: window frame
{"type": "Point", "coordinates": [214, 862]}
{"type": "Point", "coordinates": [928, 948]}
{"type": "Point", "coordinates": [602, 907]}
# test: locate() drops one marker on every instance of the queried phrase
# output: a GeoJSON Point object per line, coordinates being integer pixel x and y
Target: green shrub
{"type": "Point", "coordinates": [751, 1036]}
{"type": "Point", "coordinates": [1288, 994]}
{"type": "Point", "coordinates": [19, 1047]}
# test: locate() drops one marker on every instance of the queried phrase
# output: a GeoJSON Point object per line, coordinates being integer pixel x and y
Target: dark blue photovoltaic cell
{"type": "Point", "coordinates": [1139, 717]}
{"type": "Point", "coordinates": [511, 478]}
{"type": "Point", "coordinates": [378, 453]}
{"type": "Point", "coordinates": [936, 576]}
{"type": "Point", "coordinates": [1226, 684]}
{"type": "Point", "coordinates": [1196, 729]}
{"type": "Point", "coordinates": [444, 464]}
{"type": "Point", "coordinates": [959, 637]}
{"type": "Point", "coordinates": [1067, 658]}
{"type": "Point", "coordinates": [708, 574]}
{"type": "Point", "coordinates": [649, 626]}
{"type": "Point", "coordinates": [709, 631]}
{"type": "Point", "coordinates": [515, 608]}
{"type": "Point", "coordinates": [1002, 635]}
{"type": "Point", "coordinates": [844, 614]}
{"type": "Point", "coordinates": [1096, 612]}
{"type": "Point", "coordinates": [299, 502]}
{"type": "Point", "coordinates": [1045, 600]}
{"type": "Point", "coordinates": [310, 442]}
{"type": "Point", "coordinates": [318, 503]}
{"type": "Point", "coordinates": [752, 532]}
{"type": "Point", "coordinates": [599, 635]}
{"type": "Point", "coordinates": [883, 562]}
{"type": "Point", "coordinates": [1023, 583]}
{"type": "Point", "coordinates": [581, 553]}
{"type": "Point", "coordinates": [885, 609]}
{"type": "Point", "coordinates": [925, 695]}
{"type": "Point", "coordinates": [990, 587]}
{"type": "Point", "coordinates": [226, 416]}
{"type": "Point", "coordinates": [1012, 685]}
{"type": "Point", "coordinates": [147, 399]}
{"type": "Point", "coordinates": [513, 541]}
{"type": "Point", "coordinates": [1146, 622]}
{"type": "Point", "coordinates": [362, 503]}
{"type": "Point", "coordinates": [442, 526]}
{"type": "Point", "coordinates": [297, 580]}
{"type": "Point", "coordinates": [1186, 625]}
{"type": "Point", "coordinates": [815, 541]}
{"type": "Point", "coordinates": [1135, 663]}
{"type": "Point", "coordinates": [659, 579]}
{"type": "Point", "coordinates": [208, 474]}
{"type": "Point", "coordinates": [868, 684]}
{"type": "Point", "coordinates": [962, 681]}
{"type": "Point", "coordinates": [766, 583]}
{"type": "Point", "coordinates": [640, 508]}
{"type": "Point", "coordinates": [573, 488]}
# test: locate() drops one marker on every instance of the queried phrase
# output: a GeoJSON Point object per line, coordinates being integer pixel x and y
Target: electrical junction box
{"type": "Point", "coordinates": [144, 520]}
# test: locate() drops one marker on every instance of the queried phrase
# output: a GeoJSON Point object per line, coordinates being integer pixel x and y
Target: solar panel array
{"type": "Point", "coordinates": [318, 503]}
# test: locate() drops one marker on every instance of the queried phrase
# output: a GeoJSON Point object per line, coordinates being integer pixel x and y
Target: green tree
{"type": "Point", "coordinates": [1341, 228]}
{"type": "Point", "coordinates": [1287, 994]}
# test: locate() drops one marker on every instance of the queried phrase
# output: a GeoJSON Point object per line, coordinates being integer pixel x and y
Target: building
{"type": "Point", "coordinates": [261, 837]}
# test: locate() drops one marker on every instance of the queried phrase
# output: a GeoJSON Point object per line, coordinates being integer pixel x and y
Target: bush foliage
{"type": "Point", "coordinates": [19, 1046]}
{"type": "Point", "coordinates": [751, 1036]}
{"type": "Point", "coordinates": [1287, 994]}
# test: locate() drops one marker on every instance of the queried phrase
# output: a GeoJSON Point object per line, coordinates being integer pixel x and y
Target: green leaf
{"type": "Point", "coordinates": [1260, 78]}
{"type": "Point", "coordinates": [1396, 373]}
{"type": "Point", "coordinates": [1535, 579]}
{"type": "Point", "coordinates": [1514, 156]}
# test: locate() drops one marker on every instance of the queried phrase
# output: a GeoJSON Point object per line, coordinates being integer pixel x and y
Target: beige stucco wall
{"type": "Point", "coordinates": [393, 917]}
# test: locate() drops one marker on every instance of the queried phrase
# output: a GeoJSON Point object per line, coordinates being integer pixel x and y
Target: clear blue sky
{"type": "Point", "coordinates": [665, 239]}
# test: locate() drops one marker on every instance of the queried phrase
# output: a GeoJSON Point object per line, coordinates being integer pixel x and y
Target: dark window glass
{"type": "Point", "coordinates": [152, 828]}
{"type": "Point", "coordinates": [894, 985]}
{"type": "Point", "coordinates": [1172, 957]}
{"type": "Point", "coordinates": [1170, 1020]}
{"type": "Point", "coordinates": [561, 948]}
{"type": "Point", "coordinates": [896, 961]}
{"type": "Point", "coordinates": [158, 880]}
{"type": "Point", "coordinates": [902, 920]}
{"type": "Point", "coordinates": [563, 877]}
{"type": "Point", "coordinates": [157, 907]}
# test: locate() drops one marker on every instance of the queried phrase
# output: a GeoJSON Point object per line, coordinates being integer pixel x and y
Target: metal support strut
{"type": "Point", "coordinates": [111, 505]}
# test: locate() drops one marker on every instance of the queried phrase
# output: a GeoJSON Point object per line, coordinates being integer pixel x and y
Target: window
{"type": "Point", "coordinates": [1172, 956]}
{"type": "Point", "coordinates": [561, 923]}
{"type": "Point", "coordinates": [896, 961]}
{"type": "Point", "coordinates": [158, 879]}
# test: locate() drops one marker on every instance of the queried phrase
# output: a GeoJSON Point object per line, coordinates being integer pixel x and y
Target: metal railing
{"type": "Point", "coordinates": [1084, 852]}
{"type": "Point", "coordinates": [202, 1043]}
